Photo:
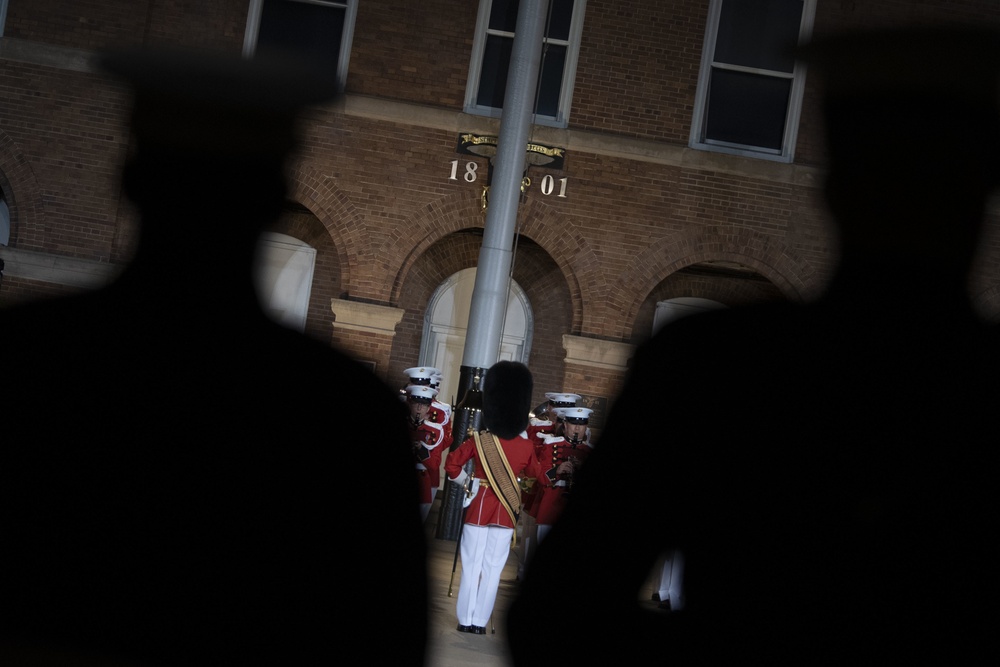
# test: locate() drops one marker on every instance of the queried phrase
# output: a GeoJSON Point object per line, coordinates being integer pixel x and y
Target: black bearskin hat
{"type": "Point", "coordinates": [507, 398]}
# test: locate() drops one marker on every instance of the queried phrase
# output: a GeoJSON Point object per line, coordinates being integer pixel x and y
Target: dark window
{"type": "Point", "coordinates": [751, 93]}
{"type": "Point", "coordinates": [495, 60]}
{"type": "Point", "coordinates": [310, 28]}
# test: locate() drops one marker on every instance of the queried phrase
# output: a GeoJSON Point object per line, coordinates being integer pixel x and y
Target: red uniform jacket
{"type": "Point", "coordinates": [551, 495]}
{"type": "Point", "coordinates": [485, 509]}
{"type": "Point", "coordinates": [439, 415]}
{"type": "Point", "coordinates": [537, 430]}
{"type": "Point", "coordinates": [428, 437]}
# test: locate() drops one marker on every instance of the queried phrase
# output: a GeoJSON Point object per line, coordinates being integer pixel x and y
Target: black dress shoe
{"type": "Point", "coordinates": [477, 629]}
{"type": "Point", "coordinates": [664, 605]}
{"type": "Point", "coordinates": [466, 628]}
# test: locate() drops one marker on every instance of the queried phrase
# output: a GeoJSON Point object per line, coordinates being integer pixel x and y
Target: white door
{"type": "Point", "coordinates": [284, 275]}
{"type": "Point", "coordinates": [447, 319]}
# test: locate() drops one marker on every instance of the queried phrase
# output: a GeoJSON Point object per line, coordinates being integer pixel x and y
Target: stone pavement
{"type": "Point", "coordinates": [447, 646]}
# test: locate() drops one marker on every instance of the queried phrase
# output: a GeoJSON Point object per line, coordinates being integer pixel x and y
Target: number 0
{"type": "Point", "coordinates": [549, 183]}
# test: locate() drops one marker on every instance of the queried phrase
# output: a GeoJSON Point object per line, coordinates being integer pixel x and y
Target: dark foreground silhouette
{"type": "Point", "coordinates": [827, 470]}
{"type": "Point", "coordinates": [179, 485]}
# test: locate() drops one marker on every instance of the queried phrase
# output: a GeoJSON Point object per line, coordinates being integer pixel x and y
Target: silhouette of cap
{"type": "Point", "coordinates": [211, 104]}
{"type": "Point", "coordinates": [917, 106]}
{"type": "Point", "coordinates": [955, 62]}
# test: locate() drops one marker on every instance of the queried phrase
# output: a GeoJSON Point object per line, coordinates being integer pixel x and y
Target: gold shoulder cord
{"type": "Point", "coordinates": [499, 473]}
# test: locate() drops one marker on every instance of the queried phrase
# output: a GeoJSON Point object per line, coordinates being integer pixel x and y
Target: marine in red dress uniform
{"type": "Point", "coordinates": [427, 439]}
{"type": "Point", "coordinates": [559, 458]}
{"type": "Point", "coordinates": [438, 414]}
{"type": "Point", "coordinates": [547, 423]}
{"type": "Point", "coordinates": [488, 529]}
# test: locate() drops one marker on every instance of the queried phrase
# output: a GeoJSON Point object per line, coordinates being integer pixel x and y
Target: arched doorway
{"type": "Point", "coordinates": [446, 320]}
{"type": "Point", "coordinates": [674, 309]}
{"type": "Point", "coordinates": [284, 276]}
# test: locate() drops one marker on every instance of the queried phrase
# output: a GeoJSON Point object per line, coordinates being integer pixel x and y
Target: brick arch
{"type": "Point", "coordinates": [766, 255]}
{"type": "Point", "coordinates": [987, 303]}
{"type": "Point", "coordinates": [543, 224]}
{"type": "Point", "coordinates": [320, 194]}
{"type": "Point", "coordinates": [24, 198]}
{"type": "Point", "coordinates": [559, 236]}
{"type": "Point", "coordinates": [434, 221]}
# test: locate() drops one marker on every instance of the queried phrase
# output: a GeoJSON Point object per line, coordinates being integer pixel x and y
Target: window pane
{"type": "Point", "coordinates": [497, 50]}
{"type": "Point", "coordinates": [562, 16]}
{"type": "Point", "coordinates": [503, 15]}
{"type": "Point", "coordinates": [747, 109]}
{"type": "Point", "coordinates": [311, 30]}
{"type": "Point", "coordinates": [550, 83]}
{"type": "Point", "coordinates": [758, 33]}
{"type": "Point", "coordinates": [493, 78]}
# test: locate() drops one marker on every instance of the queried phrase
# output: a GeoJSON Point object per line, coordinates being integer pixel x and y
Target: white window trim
{"type": "Point", "coordinates": [351, 7]}
{"type": "Point", "coordinates": [4, 223]}
{"type": "Point", "coordinates": [569, 72]}
{"type": "Point", "coordinates": [798, 76]}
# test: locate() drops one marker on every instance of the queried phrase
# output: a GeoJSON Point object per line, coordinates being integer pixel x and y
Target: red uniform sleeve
{"type": "Point", "coordinates": [457, 459]}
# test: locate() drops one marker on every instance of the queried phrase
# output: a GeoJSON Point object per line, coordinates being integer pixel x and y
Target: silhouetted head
{"type": "Point", "coordinates": [212, 129]}
{"type": "Point", "coordinates": [507, 398]}
{"type": "Point", "coordinates": [912, 136]}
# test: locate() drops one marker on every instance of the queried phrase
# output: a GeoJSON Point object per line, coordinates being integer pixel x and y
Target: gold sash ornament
{"type": "Point", "coordinates": [499, 474]}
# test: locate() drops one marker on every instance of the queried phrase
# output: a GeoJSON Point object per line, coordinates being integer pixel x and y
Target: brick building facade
{"type": "Point", "coordinates": [647, 206]}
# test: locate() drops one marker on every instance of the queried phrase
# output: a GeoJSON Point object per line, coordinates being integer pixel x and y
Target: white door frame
{"type": "Point", "coordinates": [446, 321]}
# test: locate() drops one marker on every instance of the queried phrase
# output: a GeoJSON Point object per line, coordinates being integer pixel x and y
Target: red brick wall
{"type": "Point", "coordinates": [365, 346]}
{"type": "Point", "coordinates": [18, 290]}
{"type": "Point", "coordinates": [389, 225]}
{"type": "Point", "coordinates": [65, 132]}
{"type": "Point", "coordinates": [101, 24]}
{"type": "Point", "coordinates": [597, 388]}
{"type": "Point", "coordinates": [654, 53]}
{"type": "Point", "coordinates": [412, 51]}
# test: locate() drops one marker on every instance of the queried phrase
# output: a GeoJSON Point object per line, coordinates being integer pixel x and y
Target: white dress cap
{"type": "Point", "coordinates": [421, 391]}
{"type": "Point", "coordinates": [421, 374]}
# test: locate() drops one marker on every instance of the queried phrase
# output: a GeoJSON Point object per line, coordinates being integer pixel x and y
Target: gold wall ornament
{"type": "Point", "coordinates": [485, 145]}
{"type": "Point", "coordinates": [486, 198]}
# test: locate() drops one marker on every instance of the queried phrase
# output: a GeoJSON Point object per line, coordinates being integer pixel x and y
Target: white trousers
{"type": "Point", "coordinates": [672, 579]}
{"type": "Point", "coordinates": [484, 552]}
{"type": "Point", "coordinates": [528, 541]}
